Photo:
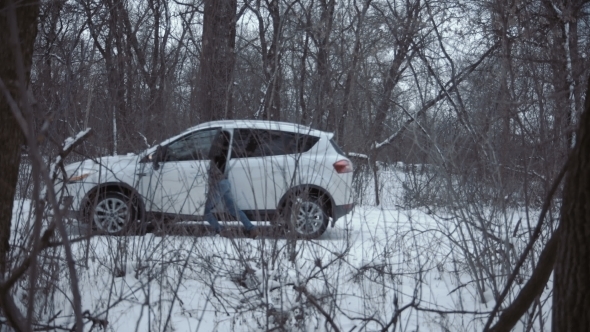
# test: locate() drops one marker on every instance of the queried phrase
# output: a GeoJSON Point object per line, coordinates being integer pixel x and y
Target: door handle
{"type": "Point", "coordinates": [141, 174]}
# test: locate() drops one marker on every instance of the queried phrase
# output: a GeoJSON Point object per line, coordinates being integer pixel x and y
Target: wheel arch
{"type": "Point", "coordinates": [113, 187]}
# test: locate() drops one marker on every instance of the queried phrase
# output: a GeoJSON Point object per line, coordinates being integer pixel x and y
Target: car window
{"type": "Point", "coordinates": [306, 142]}
{"type": "Point", "coordinates": [194, 146]}
{"type": "Point", "coordinates": [242, 146]}
{"type": "Point", "coordinates": [248, 143]}
{"type": "Point", "coordinates": [272, 143]}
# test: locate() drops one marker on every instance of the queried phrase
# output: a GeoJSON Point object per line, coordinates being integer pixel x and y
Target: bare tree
{"type": "Point", "coordinates": [571, 295]}
{"type": "Point", "coordinates": [18, 29]}
{"type": "Point", "coordinates": [352, 72]}
{"type": "Point", "coordinates": [271, 56]}
{"type": "Point", "coordinates": [217, 60]}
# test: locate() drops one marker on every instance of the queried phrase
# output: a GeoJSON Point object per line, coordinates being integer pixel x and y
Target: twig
{"type": "Point", "coordinates": [531, 289]}
{"type": "Point", "coordinates": [529, 247]}
{"type": "Point", "coordinates": [314, 302]}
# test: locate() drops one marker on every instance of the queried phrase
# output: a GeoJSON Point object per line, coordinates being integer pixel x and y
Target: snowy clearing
{"type": "Point", "coordinates": [379, 268]}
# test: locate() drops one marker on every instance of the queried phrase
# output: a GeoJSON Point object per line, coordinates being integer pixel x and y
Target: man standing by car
{"type": "Point", "coordinates": [220, 187]}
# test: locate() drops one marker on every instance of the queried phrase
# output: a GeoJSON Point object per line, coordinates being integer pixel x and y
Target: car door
{"type": "Point", "coordinates": [178, 183]}
{"type": "Point", "coordinates": [260, 168]}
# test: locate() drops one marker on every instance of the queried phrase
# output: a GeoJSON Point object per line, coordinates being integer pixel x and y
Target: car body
{"type": "Point", "coordinates": [278, 172]}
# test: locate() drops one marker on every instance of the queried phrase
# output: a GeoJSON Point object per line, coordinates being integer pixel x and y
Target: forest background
{"type": "Point", "coordinates": [478, 101]}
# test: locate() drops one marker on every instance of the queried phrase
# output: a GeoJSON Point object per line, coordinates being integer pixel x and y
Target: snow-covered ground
{"type": "Point", "coordinates": [377, 268]}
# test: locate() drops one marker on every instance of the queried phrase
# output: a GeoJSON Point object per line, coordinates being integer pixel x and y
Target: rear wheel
{"type": "Point", "coordinates": [306, 216]}
{"type": "Point", "coordinates": [115, 213]}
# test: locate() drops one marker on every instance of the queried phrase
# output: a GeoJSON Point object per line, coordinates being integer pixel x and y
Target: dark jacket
{"type": "Point", "coordinates": [218, 159]}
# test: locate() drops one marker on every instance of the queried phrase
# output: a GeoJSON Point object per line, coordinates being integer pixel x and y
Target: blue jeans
{"type": "Point", "coordinates": [223, 192]}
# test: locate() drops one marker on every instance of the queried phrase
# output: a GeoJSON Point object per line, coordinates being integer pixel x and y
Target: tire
{"type": "Point", "coordinates": [115, 214]}
{"type": "Point", "coordinates": [306, 216]}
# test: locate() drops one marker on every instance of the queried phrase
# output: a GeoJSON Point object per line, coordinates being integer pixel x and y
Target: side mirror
{"type": "Point", "coordinates": [158, 156]}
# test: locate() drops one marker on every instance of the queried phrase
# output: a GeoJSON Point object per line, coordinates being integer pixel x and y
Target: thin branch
{"type": "Point", "coordinates": [318, 306]}
{"type": "Point", "coordinates": [531, 289]}
{"type": "Point", "coordinates": [19, 271]}
{"type": "Point", "coordinates": [453, 84]}
{"type": "Point", "coordinates": [529, 247]}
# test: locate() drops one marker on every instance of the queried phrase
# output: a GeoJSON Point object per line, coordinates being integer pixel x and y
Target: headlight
{"type": "Point", "coordinates": [80, 176]}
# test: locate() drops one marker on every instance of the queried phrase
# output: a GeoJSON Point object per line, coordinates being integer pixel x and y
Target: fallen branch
{"type": "Point", "coordinates": [69, 145]}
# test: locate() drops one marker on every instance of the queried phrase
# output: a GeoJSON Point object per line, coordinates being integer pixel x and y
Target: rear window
{"type": "Point", "coordinates": [305, 142]}
{"type": "Point", "coordinates": [337, 148]}
{"type": "Point", "coordinates": [248, 143]}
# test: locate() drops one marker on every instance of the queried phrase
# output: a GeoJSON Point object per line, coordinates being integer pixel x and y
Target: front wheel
{"type": "Point", "coordinates": [114, 214]}
{"type": "Point", "coordinates": [307, 216]}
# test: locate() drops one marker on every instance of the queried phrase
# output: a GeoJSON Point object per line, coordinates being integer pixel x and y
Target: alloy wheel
{"type": "Point", "coordinates": [111, 214]}
{"type": "Point", "coordinates": [309, 218]}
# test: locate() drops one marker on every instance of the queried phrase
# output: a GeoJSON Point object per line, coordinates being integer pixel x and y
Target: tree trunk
{"type": "Point", "coordinates": [271, 60]}
{"type": "Point", "coordinates": [217, 59]}
{"type": "Point", "coordinates": [325, 94]}
{"type": "Point", "coordinates": [350, 75]}
{"type": "Point", "coordinates": [305, 114]}
{"type": "Point", "coordinates": [409, 25]}
{"type": "Point", "coordinates": [11, 135]}
{"type": "Point", "coordinates": [571, 291]}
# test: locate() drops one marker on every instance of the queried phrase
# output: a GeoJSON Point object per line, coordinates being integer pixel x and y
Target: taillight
{"type": "Point", "coordinates": [343, 166]}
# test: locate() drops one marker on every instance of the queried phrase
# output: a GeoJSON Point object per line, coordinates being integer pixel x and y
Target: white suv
{"type": "Point", "coordinates": [278, 171]}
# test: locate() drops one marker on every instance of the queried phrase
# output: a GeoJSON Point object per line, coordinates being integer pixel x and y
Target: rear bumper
{"type": "Point", "coordinates": [340, 211]}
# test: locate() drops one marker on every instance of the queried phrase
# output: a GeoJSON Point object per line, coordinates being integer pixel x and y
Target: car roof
{"type": "Point", "coordinates": [260, 124]}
